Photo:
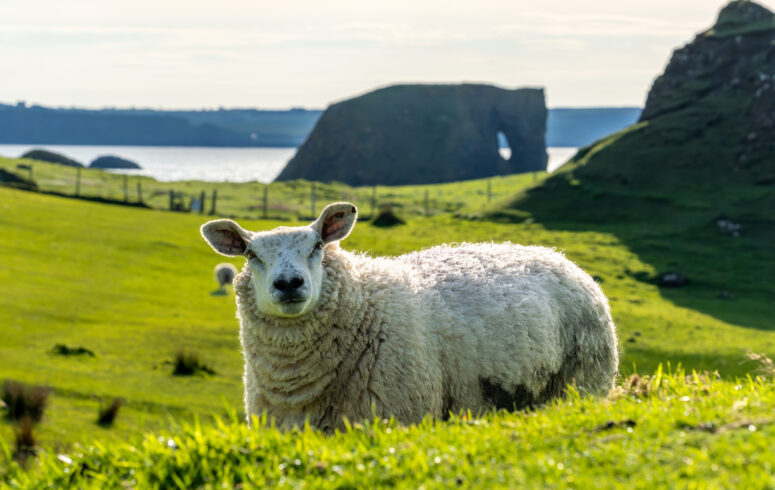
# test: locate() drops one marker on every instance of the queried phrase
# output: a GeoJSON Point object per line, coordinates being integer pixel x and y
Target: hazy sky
{"type": "Point", "coordinates": [192, 54]}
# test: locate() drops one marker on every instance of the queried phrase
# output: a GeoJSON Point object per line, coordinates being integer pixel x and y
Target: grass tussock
{"type": "Point", "coordinates": [188, 363]}
{"type": "Point", "coordinates": [766, 366]}
{"type": "Point", "coordinates": [64, 350]}
{"type": "Point", "coordinates": [108, 412]}
{"type": "Point", "coordinates": [638, 386]}
{"type": "Point", "coordinates": [387, 218]}
{"type": "Point", "coordinates": [25, 441]}
{"type": "Point", "coordinates": [24, 401]}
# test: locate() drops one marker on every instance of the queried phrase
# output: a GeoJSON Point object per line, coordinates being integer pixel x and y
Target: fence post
{"type": "Point", "coordinates": [77, 181]}
{"type": "Point", "coordinates": [126, 189]}
{"type": "Point", "coordinates": [266, 201]}
{"type": "Point", "coordinates": [214, 199]}
{"type": "Point", "coordinates": [172, 201]}
{"type": "Point", "coordinates": [139, 192]}
{"type": "Point", "coordinates": [30, 168]}
{"type": "Point", "coordinates": [312, 201]}
{"type": "Point", "coordinates": [373, 201]}
{"type": "Point", "coordinates": [202, 203]}
{"type": "Point", "coordinates": [489, 191]}
{"type": "Point", "coordinates": [427, 203]}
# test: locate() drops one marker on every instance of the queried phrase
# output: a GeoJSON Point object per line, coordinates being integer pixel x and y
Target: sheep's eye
{"type": "Point", "coordinates": [318, 246]}
{"type": "Point", "coordinates": [251, 255]}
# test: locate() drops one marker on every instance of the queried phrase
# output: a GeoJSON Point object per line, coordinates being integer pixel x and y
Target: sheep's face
{"type": "Point", "coordinates": [287, 267]}
{"type": "Point", "coordinates": [286, 263]}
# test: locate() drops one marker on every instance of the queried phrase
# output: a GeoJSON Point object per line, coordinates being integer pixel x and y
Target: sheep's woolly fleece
{"type": "Point", "coordinates": [449, 328]}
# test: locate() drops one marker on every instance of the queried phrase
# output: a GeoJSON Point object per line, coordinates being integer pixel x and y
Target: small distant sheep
{"type": "Point", "coordinates": [224, 274]}
{"type": "Point", "coordinates": [329, 334]}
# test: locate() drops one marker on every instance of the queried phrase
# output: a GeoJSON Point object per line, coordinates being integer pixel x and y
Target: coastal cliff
{"type": "Point", "coordinates": [705, 141]}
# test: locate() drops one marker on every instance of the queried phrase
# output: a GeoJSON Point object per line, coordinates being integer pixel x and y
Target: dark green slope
{"type": "Point", "coordinates": [703, 151]}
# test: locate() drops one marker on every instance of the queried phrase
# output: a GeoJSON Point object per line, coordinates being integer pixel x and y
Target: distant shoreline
{"type": "Point", "coordinates": [240, 128]}
{"type": "Point", "coordinates": [170, 164]}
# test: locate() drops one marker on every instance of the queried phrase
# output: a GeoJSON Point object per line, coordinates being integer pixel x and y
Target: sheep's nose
{"type": "Point", "coordinates": [287, 286]}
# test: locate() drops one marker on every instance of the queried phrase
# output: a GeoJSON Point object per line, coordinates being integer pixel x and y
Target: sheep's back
{"type": "Point", "coordinates": [508, 315]}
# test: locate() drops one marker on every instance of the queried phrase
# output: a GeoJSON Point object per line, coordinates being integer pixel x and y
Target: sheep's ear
{"type": "Point", "coordinates": [226, 237]}
{"type": "Point", "coordinates": [336, 221]}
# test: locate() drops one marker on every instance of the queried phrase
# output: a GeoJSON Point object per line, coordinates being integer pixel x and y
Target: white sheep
{"type": "Point", "coordinates": [329, 334]}
{"type": "Point", "coordinates": [224, 274]}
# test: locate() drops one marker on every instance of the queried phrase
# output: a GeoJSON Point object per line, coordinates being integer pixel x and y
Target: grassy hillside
{"type": "Point", "coordinates": [134, 285]}
{"type": "Point", "coordinates": [669, 430]}
{"type": "Point", "coordinates": [702, 154]}
{"type": "Point", "coordinates": [286, 200]}
{"type": "Point", "coordinates": [670, 227]}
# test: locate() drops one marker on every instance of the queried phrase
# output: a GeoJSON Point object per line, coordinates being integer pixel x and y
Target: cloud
{"type": "Point", "coordinates": [401, 34]}
{"type": "Point", "coordinates": [555, 43]}
{"type": "Point", "coordinates": [596, 25]}
{"type": "Point", "coordinates": [264, 52]}
{"type": "Point", "coordinates": [212, 37]}
{"type": "Point", "coordinates": [380, 33]}
{"type": "Point", "coordinates": [534, 29]}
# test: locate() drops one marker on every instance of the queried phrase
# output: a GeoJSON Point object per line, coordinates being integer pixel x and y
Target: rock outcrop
{"type": "Point", "coordinates": [113, 162]}
{"type": "Point", "coordinates": [725, 79]}
{"type": "Point", "coordinates": [705, 142]}
{"type": "Point", "coordinates": [734, 56]}
{"type": "Point", "coordinates": [705, 139]}
{"type": "Point", "coordinates": [415, 134]}
{"type": "Point", "coordinates": [51, 157]}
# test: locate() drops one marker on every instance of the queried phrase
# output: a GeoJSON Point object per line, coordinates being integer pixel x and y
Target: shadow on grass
{"type": "Point", "coordinates": [98, 199]}
{"type": "Point", "coordinates": [730, 278]}
{"type": "Point", "coordinates": [728, 364]}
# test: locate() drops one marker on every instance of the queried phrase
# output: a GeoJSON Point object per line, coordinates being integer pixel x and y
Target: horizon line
{"type": "Point", "coordinates": [26, 105]}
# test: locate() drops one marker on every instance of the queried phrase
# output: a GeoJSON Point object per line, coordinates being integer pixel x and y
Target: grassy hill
{"type": "Point", "coordinates": [702, 153]}
{"type": "Point", "coordinates": [134, 286]}
{"type": "Point", "coordinates": [286, 200]}
{"type": "Point", "coordinates": [666, 227]}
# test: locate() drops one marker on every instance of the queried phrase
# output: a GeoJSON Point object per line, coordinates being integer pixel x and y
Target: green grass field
{"type": "Point", "coordinates": [134, 285]}
{"type": "Point", "coordinates": [665, 431]}
{"type": "Point", "coordinates": [285, 200]}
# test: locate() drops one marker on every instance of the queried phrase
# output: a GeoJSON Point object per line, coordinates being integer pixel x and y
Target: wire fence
{"type": "Point", "coordinates": [279, 200]}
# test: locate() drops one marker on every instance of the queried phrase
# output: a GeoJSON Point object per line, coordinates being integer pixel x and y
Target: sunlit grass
{"type": "Point", "coordinates": [285, 200]}
{"type": "Point", "coordinates": [666, 430]}
{"type": "Point", "coordinates": [134, 286]}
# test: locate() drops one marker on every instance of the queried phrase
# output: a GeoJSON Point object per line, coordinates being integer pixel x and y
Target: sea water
{"type": "Point", "coordinates": [171, 163]}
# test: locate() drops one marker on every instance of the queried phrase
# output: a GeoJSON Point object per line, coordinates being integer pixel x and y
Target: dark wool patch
{"type": "Point", "coordinates": [446, 407]}
{"type": "Point", "coordinates": [326, 422]}
{"type": "Point", "coordinates": [521, 398]}
{"type": "Point", "coordinates": [502, 399]}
